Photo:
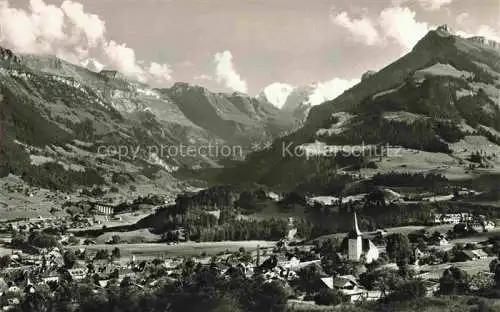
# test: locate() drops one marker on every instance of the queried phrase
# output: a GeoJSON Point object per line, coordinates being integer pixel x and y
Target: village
{"type": "Point", "coordinates": [43, 252]}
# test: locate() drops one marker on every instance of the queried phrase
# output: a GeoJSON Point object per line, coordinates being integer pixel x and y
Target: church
{"type": "Point", "coordinates": [356, 247]}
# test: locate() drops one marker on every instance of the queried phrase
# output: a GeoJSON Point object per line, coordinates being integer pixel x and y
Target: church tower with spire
{"type": "Point", "coordinates": [355, 242]}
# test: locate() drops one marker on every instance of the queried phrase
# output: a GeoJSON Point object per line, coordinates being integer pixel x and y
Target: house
{"type": "Point", "coordinates": [471, 255]}
{"type": "Point", "coordinates": [488, 225]}
{"type": "Point", "coordinates": [356, 247]}
{"type": "Point", "coordinates": [322, 200]}
{"type": "Point", "coordinates": [348, 286]}
{"type": "Point", "coordinates": [3, 286]}
{"type": "Point", "coordinates": [103, 209]}
{"type": "Point", "coordinates": [288, 263]}
{"type": "Point", "coordinates": [304, 264]}
{"type": "Point", "coordinates": [215, 213]}
{"type": "Point", "coordinates": [381, 232]}
{"type": "Point", "coordinates": [437, 218]}
{"type": "Point", "coordinates": [274, 197]}
{"type": "Point", "coordinates": [450, 218]}
{"type": "Point", "coordinates": [418, 254]}
{"type": "Point", "coordinates": [439, 240]}
{"type": "Point", "coordinates": [431, 287]}
{"type": "Point", "coordinates": [51, 276]}
{"type": "Point", "coordinates": [481, 254]}
{"type": "Point", "coordinates": [78, 273]}
{"type": "Point", "coordinates": [55, 257]}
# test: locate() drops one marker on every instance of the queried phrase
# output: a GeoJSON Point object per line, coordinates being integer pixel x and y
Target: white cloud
{"type": "Point", "coordinates": [400, 24]}
{"type": "Point", "coordinates": [328, 90]}
{"type": "Point", "coordinates": [90, 25]}
{"type": "Point", "coordinates": [462, 17]}
{"type": "Point", "coordinates": [203, 77]}
{"type": "Point", "coordinates": [488, 32]}
{"type": "Point", "coordinates": [122, 58]}
{"type": "Point", "coordinates": [433, 5]}
{"type": "Point", "coordinates": [362, 29]}
{"type": "Point", "coordinates": [74, 35]}
{"type": "Point", "coordinates": [483, 30]}
{"type": "Point", "coordinates": [31, 32]}
{"type": "Point", "coordinates": [277, 93]}
{"type": "Point", "coordinates": [160, 72]}
{"type": "Point", "coordinates": [396, 23]}
{"type": "Point", "coordinates": [49, 20]}
{"type": "Point", "coordinates": [226, 73]}
{"type": "Point", "coordinates": [280, 94]}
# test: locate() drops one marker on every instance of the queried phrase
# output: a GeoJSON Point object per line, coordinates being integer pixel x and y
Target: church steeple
{"type": "Point", "coordinates": [355, 241]}
{"type": "Point", "coordinates": [355, 232]}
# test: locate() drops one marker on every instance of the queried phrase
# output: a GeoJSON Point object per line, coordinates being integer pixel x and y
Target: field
{"type": "Point", "coordinates": [471, 267]}
{"type": "Point", "coordinates": [153, 250]}
{"type": "Point", "coordinates": [400, 229]}
{"type": "Point", "coordinates": [429, 304]}
{"type": "Point", "coordinates": [19, 200]}
{"type": "Point", "coordinates": [17, 205]}
{"type": "Point", "coordinates": [142, 235]}
{"type": "Point", "coordinates": [479, 237]}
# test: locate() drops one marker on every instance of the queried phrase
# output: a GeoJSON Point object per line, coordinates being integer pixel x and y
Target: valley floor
{"type": "Point", "coordinates": [154, 250]}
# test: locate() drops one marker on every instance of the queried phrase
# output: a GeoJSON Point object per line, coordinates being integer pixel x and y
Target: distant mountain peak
{"type": "Point", "coordinates": [276, 93]}
{"type": "Point", "coordinates": [444, 28]}
{"type": "Point", "coordinates": [92, 65]}
{"type": "Point", "coordinates": [8, 55]}
{"type": "Point", "coordinates": [485, 42]}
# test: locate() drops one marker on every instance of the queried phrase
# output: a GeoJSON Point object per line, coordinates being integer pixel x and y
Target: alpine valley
{"type": "Point", "coordinates": [435, 110]}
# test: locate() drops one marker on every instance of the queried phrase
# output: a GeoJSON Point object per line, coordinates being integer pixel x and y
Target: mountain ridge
{"type": "Point", "coordinates": [432, 105]}
{"type": "Point", "coordinates": [49, 104]}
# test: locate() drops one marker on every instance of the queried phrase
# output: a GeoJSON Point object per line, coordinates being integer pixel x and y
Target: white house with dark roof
{"type": "Point", "coordinates": [348, 286]}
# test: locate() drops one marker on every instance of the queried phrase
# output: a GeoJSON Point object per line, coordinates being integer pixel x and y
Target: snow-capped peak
{"type": "Point", "coordinates": [92, 65]}
{"type": "Point", "coordinates": [277, 93]}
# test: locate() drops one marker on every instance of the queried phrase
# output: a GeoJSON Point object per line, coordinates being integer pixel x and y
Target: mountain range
{"type": "Point", "coordinates": [438, 104]}
{"type": "Point", "coordinates": [434, 110]}
{"type": "Point", "coordinates": [62, 120]}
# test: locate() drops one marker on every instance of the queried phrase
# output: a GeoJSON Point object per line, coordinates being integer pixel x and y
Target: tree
{"type": "Point", "coordinates": [271, 297]}
{"type": "Point", "coordinates": [115, 253]}
{"type": "Point", "coordinates": [73, 240]}
{"type": "Point", "coordinates": [404, 270]}
{"type": "Point", "coordinates": [18, 240]}
{"type": "Point", "coordinates": [115, 239]}
{"type": "Point", "coordinates": [482, 281]}
{"type": "Point", "coordinates": [69, 259]}
{"type": "Point", "coordinates": [328, 297]}
{"type": "Point", "coordinates": [36, 301]}
{"type": "Point", "coordinates": [226, 304]}
{"type": "Point", "coordinates": [115, 274]}
{"type": "Point", "coordinates": [385, 280]}
{"type": "Point", "coordinates": [398, 247]}
{"type": "Point", "coordinates": [454, 281]}
{"type": "Point", "coordinates": [493, 265]}
{"type": "Point", "coordinates": [247, 200]}
{"type": "Point", "coordinates": [309, 278]}
{"type": "Point", "coordinates": [410, 290]}
{"type": "Point", "coordinates": [42, 240]}
{"type": "Point", "coordinates": [4, 261]}
{"type": "Point", "coordinates": [497, 276]}
{"type": "Point", "coordinates": [102, 254]}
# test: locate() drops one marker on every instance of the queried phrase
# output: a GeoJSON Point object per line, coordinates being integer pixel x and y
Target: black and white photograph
{"type": "Point", "coordinates": [250, 155]}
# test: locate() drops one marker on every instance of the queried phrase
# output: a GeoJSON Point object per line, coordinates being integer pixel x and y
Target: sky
{"type": "Point", "coordinates": [238, 45]}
